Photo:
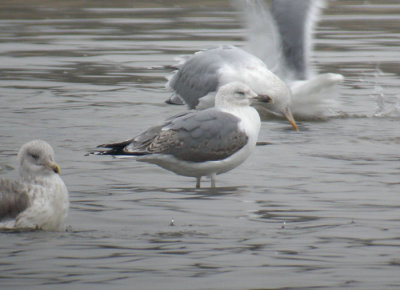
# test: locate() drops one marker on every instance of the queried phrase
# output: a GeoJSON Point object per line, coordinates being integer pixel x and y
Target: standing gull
{"type": "Point", "coordinates": [201, 143]}
{"type": "Point", "coordinates": [39, 199]}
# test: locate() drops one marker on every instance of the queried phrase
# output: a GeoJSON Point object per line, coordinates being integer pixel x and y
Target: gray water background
{"type": "Point", "coordinates": [315, 209]}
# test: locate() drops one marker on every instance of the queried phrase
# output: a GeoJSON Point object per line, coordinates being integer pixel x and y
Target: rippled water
{"type": "Point", "coordinates": [319, 208]}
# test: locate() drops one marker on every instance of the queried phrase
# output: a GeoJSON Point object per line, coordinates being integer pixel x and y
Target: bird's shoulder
{"type": "Point", "coordinates": [211, 121]}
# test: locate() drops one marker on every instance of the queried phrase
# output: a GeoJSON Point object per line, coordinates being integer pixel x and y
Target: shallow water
{"type": "Point", "coordinates": [318, 208]}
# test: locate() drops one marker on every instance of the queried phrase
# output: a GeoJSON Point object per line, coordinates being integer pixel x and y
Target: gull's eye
{"type": "Point", "coordinates": [241, 93]}
{"type": "Point", "coordinates": [34, 156]}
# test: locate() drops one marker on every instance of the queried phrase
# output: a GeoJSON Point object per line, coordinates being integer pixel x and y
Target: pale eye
{"type": "Point", "coordinates": [240, 93]}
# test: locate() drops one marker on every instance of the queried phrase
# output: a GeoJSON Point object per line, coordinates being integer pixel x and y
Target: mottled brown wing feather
{"type": "Point", "coordinates": [13, 198]}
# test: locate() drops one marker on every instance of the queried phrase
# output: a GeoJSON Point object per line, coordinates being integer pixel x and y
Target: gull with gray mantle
{"type": "Point", "coordinates": [281, 34]}
{"type": "Point", "coordinates": [200, 143]}
{"type": "Point", "coordinates": [39, 199]}
{"type": "Point", "coordinates": [276, 62]}
{"type": "Point", "coordinates": [198, 78]}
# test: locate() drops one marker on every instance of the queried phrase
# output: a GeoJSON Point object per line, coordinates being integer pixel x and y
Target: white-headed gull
{"type": "Point", "coordinates": [279, 47]}
{"type": "Point", "coordinates": [200, 143]}
{"type": "Point", "coordinates": [281, 35]}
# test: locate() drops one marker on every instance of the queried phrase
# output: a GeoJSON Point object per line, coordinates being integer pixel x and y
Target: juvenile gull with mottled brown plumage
{"type": "Point", "coordinates": [39, 199]}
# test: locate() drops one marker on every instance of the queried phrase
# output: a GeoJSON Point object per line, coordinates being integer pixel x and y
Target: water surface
{"type": "Point", "coordinates": [318, 208]}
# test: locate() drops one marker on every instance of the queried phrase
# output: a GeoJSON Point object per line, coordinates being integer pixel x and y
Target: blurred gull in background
{"type": "Point", "coordinates": [280, 32]}
{"type": "Point", "coordinates": [279, 39]}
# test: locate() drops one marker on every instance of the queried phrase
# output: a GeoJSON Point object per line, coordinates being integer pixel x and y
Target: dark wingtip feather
{"type": "Point", "coordinates": [116, 149]}
{"type": "Point", "coordinates": [110, 149]}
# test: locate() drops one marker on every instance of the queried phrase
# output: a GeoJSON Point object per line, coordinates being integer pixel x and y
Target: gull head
{"type": "Point", "coordinates": [280, 96]}
{"type": "Point", "coordinates": [237, 94]}
{"type": "Point", "coordinates": [36, 158]}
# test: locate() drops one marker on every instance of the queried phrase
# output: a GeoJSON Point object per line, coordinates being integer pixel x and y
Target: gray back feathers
{"type": "Point", "coordinates": [195, 136]}
{"type": "Point", "coordinates": [196, 78]}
